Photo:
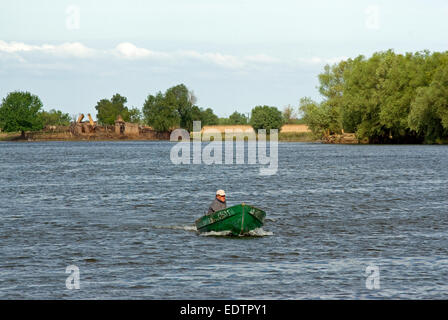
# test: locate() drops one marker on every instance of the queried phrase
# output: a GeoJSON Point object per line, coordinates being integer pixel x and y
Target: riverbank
{"type": "Point", "coordinates": [344, 138]}
{"type": "Point", "coordinates": [86, 132]}
{"type": "Point", "coordinates": [39, 137]}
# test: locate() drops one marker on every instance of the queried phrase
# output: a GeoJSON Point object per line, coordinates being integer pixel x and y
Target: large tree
{"type": "Point", "coordinates": [386, 98]}
{"type": "Point", "coordinates": [19, 111]}
{"type": "Point", "coordinates": [109, 110]}
{"type": "Point", "coordinates": [266, 117]}
{"type": "Point", "coordinates": [159, 114]}
{"type": "Point", "coordinates": [183, 101]}
{"type": "Point", "coordinates": [175, 108]}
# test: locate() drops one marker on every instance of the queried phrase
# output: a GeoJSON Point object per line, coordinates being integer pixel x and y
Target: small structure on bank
{"type": "Point", "coordinates": [126, 128]}
{"type": "Point", "coordinates": [119, 125]}
{"type": "Point", "coordinates": [120, 130]}
{"type": "Point", "coordinates": [83, 127]}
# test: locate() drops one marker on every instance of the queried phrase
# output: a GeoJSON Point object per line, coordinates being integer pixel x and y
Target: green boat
{"type": "Point", "coordinates": [237, 220]}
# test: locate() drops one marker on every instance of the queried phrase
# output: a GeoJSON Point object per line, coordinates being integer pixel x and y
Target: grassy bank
{"type": "Point", "coordinates": [297, 137]}
{"type": "Point", "coordinates": [10, 136]}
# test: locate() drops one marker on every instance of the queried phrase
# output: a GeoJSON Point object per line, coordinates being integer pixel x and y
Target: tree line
{"type": "Point", "coordinates": [176, 108]}
{"type": "Point", "coordinates": [163, 111]}
{"type": "Point", "coordinates": [387, 98]}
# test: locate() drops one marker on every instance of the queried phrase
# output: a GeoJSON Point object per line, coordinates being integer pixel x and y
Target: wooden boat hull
{"type": "Point", "coordinates": [237, 220]}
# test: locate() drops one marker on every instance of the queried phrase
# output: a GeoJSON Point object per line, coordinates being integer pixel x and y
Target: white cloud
{"type": "Point", "coordinates": [223, 60]}
{"type": "Point", "coordinates": [129, 51]}
{"type": "Point", "coordinates": [68, 49]}
{"type": "Point", "coordinates": [75, 49]}
{"type": "Point", "coordinates": [14, 47]}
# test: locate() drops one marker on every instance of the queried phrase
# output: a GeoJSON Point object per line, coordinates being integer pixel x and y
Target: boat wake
{"type": "Point", "coordinates": [259, 232]}
{"type": "Point", "coordinates": [184, 227]}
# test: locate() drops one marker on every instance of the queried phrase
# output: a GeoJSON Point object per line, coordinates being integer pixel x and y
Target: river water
{"type": "Point", "coordinates": [343, 222]}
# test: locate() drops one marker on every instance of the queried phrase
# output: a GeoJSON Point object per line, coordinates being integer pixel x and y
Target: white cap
{"type": "Point", "coordinates": [220, 193]}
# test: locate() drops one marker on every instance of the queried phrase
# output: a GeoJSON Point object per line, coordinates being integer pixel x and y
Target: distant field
{"type": "Point", "coordinates": [296, 128]}
{"type": "Point", "coordinates": [222, 128]}
{"type": "Point", "coordinates": [289, 132]}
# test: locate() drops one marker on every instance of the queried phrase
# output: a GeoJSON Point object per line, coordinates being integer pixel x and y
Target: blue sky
{"type": "Point", "coordinates": [234, 55]}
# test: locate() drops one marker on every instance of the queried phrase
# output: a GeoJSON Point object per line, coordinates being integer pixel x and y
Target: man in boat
{"type": "Point", "coordinates": [219, 203]}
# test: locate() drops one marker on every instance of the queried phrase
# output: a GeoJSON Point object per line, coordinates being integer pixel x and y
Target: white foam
{"type": "Point", "coordinates": [185, 227]}
{"type": "Point", "coordinates": [216, 234]}
{"type": "Point", "coordinates": [259, 232]}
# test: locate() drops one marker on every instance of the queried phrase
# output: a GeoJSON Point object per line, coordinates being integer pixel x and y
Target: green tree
{"type": "Point", "coordinates": [208, 118]}
{"type": "Point", "coordinates": [318, 117]}
{"type": "Point", "coordinates": [19, 111]}
{"type": "Point", "coordinates": [429, 110]}
{"type": "Point", "coordinates": [177, 103]}
{"type": "Point", "coordinates": [109, 110]}
{"type": "Point", "coordinates": [135, 115]}
{"type": "Point", "coordinates": [399, 77]}
{"type": "Point", "coordinates": [360, 105]}
{"type": "Point", "coordinates": [289, 115]}
{"type": "Point", "coordinates": [54, 118]}
{"type": "Point", "coordinates": [332, 88]}
{"type": "Point", "coordinates": [388, 97]}
{"type": "Point", "coordinates": [265, 117]}
{"type": "Point", "coordinates": [176, 107]}
{"type": "Point", "coordinates": [159, 114]}
{"type": "Point", "coordinates": [196, 114]}
{"type": "Point", "coordinates": [237, 118]}
{"type": "Point", "coordinates": [182, 100]}
{"type": "Point", "coordinates": [224, 121]}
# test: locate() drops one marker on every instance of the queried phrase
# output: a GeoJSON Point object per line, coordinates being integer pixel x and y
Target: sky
{"type": "Point", "coordinates": [234, 55]}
